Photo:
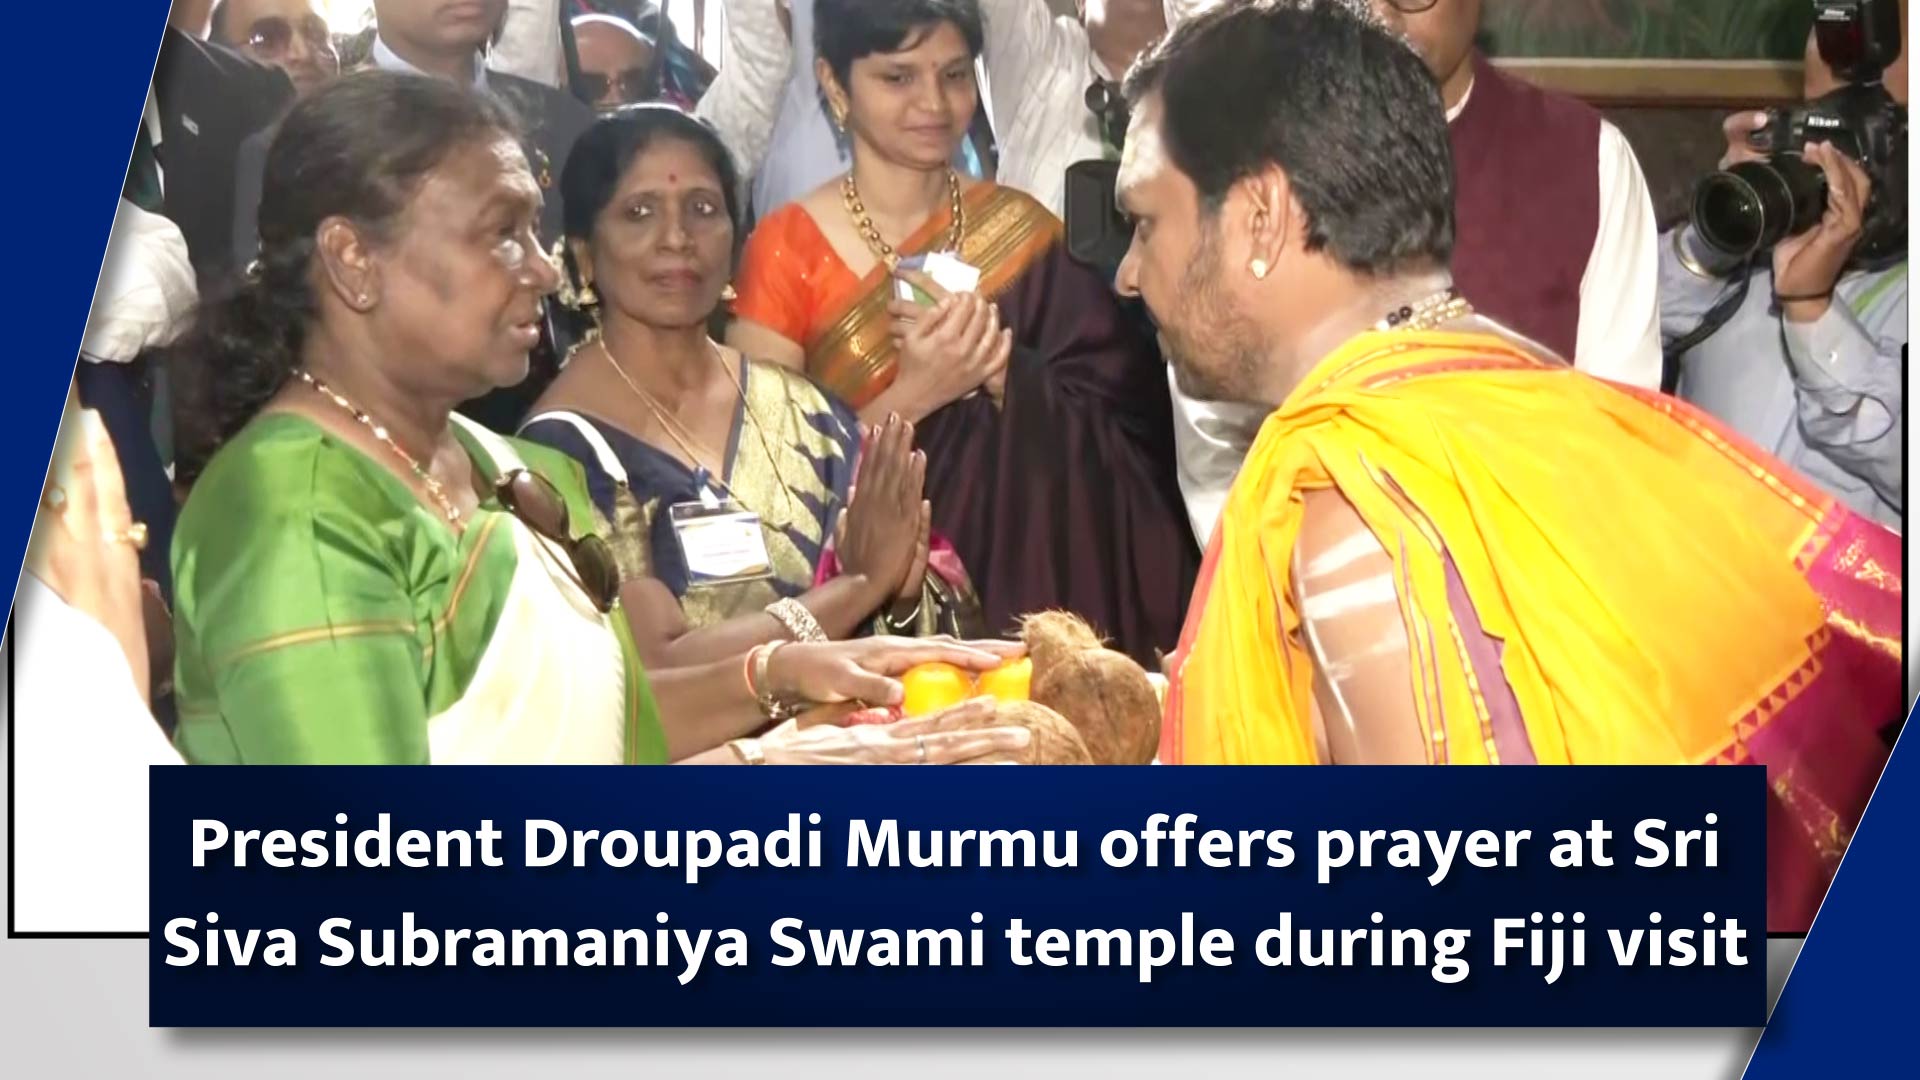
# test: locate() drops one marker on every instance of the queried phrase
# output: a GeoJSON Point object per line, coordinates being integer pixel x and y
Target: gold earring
{"type": "Point", "coordinates": [727, 295]}
{"type": "Point", "coordinates": [1259, 268]}
{"type": "Point", "coordinates": [572, 298]}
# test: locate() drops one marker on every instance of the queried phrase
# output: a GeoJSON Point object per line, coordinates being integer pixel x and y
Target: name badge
{"type": "Point", "coordinates": [721, 542]}
{"type": "Point", "coordinates": [946, 270]}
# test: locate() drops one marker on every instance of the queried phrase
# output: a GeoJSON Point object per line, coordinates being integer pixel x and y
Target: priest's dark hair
{"type": "Point", "coordinates": [1324, 91]}
{"type": "Point", "coordinates": [846, 30]}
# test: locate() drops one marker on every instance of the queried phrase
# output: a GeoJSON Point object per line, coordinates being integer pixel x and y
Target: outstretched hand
{"type": "Point", "coordinates": [864, 669]}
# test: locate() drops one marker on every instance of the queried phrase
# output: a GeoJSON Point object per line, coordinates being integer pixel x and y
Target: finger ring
{"type": "Point", "coordinates": [920, 743]}
{"type": "Point", "coordinates": [135, 534]}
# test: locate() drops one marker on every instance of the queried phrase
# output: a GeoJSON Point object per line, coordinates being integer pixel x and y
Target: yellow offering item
{"type": "Point", "coordinates": [1010, 681]}
{"type": "Point", "coordinates": [932, 687]}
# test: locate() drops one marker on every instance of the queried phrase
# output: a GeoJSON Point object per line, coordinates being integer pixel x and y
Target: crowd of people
{"type": "Point", "coordinates": [530, 392]}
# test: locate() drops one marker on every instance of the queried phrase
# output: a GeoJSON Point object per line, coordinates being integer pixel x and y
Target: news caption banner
{"type": "Point", "coordinates": [1007, 897]}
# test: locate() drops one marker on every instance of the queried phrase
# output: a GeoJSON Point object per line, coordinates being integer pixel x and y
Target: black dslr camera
{"type": "Point", "coordinates": [1097, 233]}
{"type": "Point", "coordinates": [1747, 209]}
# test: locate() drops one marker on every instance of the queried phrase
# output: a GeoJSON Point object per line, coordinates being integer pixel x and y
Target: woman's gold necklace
{"type": "Point", "coordinates": [434, 487]}
{"type": "Point", "coordinates": [863, 222]}
{"type": "Point", "coordinates": [683, 436]}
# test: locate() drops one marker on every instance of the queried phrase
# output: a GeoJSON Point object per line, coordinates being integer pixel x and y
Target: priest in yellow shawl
{"type": "Point", "coordinates": [1447, 546]}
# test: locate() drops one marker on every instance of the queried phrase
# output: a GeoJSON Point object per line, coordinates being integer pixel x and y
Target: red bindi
{"type": "Point", "coordinates": [673, 178]}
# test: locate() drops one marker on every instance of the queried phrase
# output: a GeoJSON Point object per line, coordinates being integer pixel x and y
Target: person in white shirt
{"type": "Point", "coordinates": [528, 43]}
{"type": "Point", "coordinates": [144, 300]}
{"type": "Point", "coordinates": [83, 732]}
{"type": "Point", "coordinates": [1555, 235]}
{"type": "Point", "coordinates": [1040, 67]}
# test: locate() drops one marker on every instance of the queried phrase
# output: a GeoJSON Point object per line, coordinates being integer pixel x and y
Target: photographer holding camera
{"type": "Point", "coordinates": [1801, 347]}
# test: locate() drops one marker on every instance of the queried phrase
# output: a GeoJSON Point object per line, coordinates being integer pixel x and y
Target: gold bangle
{"type": "Point", "coordinates": [799, 622]}
{"type": "Point", "coordinates": [749, 751]}
{"type": "Point", "coordinates": [772, 705]}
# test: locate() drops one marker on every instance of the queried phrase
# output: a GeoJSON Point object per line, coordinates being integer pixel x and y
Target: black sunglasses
{"type": "Point", "coordinates": [271, 35]}
{"type": "Point", "coordinates": [630, 85]}
{"type": "Point", "coordinates": [539, 505]}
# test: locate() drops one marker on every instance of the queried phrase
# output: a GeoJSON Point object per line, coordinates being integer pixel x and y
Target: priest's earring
{"type": "Point", "coordinates": [1259, 268]}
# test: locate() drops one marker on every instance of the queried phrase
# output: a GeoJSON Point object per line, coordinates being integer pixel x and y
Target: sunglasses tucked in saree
{"type": "Point", "coordinates": [326, 616]}
{"type": "Point", "coordinates": [1065, 495]}
{"type": "Point", "coordinates": [1587, 574]}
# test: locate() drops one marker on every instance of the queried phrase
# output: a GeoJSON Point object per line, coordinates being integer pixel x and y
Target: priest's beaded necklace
{"type": "Point", "coordinates": [1428, 312]}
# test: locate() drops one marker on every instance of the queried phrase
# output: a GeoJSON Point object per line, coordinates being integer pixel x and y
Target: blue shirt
{"type": "Point", "coordinates": [1825, 397]}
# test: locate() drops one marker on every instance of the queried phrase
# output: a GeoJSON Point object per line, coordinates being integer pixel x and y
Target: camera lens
{"type": "Point", "coordinates": [1754, 205]}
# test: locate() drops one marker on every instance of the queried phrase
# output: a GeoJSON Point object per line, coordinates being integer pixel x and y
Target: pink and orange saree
{"type": "Point", "coordinates": [1587, 574]}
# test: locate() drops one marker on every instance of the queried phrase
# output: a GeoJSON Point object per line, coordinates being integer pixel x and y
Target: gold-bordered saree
{"type": "Point", "coordinates": [1062, 495]}
{"type": "Point", "coordinates": [1587, 573]}
{"type": "Point", "coordinates": [853, 353]}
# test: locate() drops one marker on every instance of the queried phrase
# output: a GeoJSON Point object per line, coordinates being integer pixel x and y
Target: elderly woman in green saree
{"type": "Point", "coordinates": [364, 578]}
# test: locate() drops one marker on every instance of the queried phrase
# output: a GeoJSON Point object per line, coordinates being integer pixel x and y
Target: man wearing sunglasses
{"type": "Point", "coordinates": [1555, 234]}
{"type": "Point", "coordinates": [288, 34]}
{"type": "Point", "coordinates": [616, 62]}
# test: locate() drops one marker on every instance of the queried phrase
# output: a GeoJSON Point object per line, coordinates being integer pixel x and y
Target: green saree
{"type": "Point", "coordinates": [324, 616]}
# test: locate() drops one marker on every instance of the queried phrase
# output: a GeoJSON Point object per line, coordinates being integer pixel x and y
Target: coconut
{"type": "Point", "coordinates": [1055, 740]}
{"type": "Point", "coordinates": [1104, 694]}
{"type": "Point", "coordinates": [1052, 636]}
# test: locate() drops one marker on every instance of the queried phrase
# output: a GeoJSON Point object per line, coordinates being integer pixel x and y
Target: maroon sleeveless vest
{"type": "Point", "coordinates": [1526, 205]}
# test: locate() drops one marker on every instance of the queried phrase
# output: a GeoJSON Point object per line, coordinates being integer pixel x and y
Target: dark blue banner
{"type": "Point", "coordinates": [1024, 896]}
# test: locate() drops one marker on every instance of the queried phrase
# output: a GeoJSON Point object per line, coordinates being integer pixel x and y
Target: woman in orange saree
{"type": "Point", "coordinates": [1046, 426]}
{"type": "Point", "coordinates": [1721, 610]}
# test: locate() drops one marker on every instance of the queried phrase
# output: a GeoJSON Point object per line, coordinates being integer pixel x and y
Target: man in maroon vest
{"type": "Point", "coordinates": [1554, 234]}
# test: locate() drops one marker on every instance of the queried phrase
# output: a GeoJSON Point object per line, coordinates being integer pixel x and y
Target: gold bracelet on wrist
{"type": "Point", "coordinates": [772, 705]}
{"type": "Point", "coordinates": [799, 622]}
